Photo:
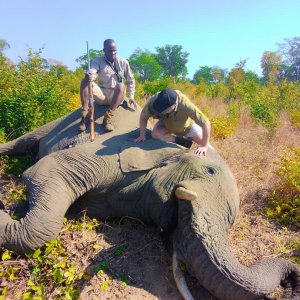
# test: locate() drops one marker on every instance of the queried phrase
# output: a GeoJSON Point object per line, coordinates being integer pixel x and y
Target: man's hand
{"type": "Point", "coordinates": [133, 103]}
{"type": "Point", "coordinates": [141, 138]}
{"type": "Point", "coordinates": [201, 150]}
{"type": "Point", "coordinates": [92, 74]}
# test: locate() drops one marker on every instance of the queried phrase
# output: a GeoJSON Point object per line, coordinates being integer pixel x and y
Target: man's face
{"type": "Point", "coordinates": [167, 112]}
{"type": "Point", "coordinates": [110, 51]}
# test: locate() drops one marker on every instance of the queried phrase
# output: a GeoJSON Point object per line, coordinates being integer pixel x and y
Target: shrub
{"type": "Point", "coordinates": [285, 199]}
{"type": "Point", "coordinates": [37, 96]}
{"type": "Point", "coordinates": [152, 87]}
{"type": "Point", "coordinates": [262, 111]}
{"type": "Point", "coordinates": [16, 165]}
{"type": "Point", "coordinates": [223, 126]}
{"type": "Point", "coordinates": [295, 119]}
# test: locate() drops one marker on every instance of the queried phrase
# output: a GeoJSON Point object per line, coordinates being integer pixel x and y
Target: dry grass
{"type": "Point", "coordinates": [251, 153]}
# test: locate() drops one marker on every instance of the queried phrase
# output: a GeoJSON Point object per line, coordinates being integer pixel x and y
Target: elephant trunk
{"type": "Point", "coordinates": [54, 183]}
{"type": "Point", "coordinates": [206, 253]}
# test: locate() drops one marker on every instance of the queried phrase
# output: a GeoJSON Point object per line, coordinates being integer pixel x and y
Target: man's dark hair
{"type": "Point", "coordinates": [108, 42]}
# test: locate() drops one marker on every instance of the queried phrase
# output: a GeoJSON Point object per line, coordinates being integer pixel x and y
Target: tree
{"type": "Point", "coordinates": [145, 65]}
{"type": "Point", "coordinates": [218, 74]}
{"type": "Point", "coordinates": [173, 60]}
{"type": "Point", "coordinates": [209, 74]}
{"type": "Point", "coordinates": [204, 73]}
{"type": "Point", "coordinates": [3, 46]}
{"type": "Point", "coordinates": [83, 59]}
{"type": "Point", "coordinates": [290, 50]}
{"type": "Point", "coordinates": [271, 66]}
{"type": "Point", "coordinates": [237, 73]}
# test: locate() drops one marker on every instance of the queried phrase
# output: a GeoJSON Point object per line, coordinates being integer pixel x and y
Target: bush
{"type": "Point", "coordinates": [223, 126]}
{"type": "Point", "coordinates": [285, 199]}
{"type": "Point", "coordinates": [37, 96]}
{"type": "Point", "coordinates": [152, 87]}
{"type": "Point", "coordinates": [16, 165]}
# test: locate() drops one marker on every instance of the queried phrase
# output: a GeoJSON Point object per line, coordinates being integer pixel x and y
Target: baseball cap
{"type": "Point", "coordinates": [164, 100]}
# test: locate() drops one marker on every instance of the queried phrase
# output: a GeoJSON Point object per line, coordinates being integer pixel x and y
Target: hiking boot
{"type": "Point", "coordinates": [82, 126]}
{"type": "Point", "coordinates": [182, 141]}
{"type": "Point", "coordinates": [107, 121]}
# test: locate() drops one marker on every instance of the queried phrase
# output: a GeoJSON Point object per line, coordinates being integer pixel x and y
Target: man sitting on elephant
{"type": "Point", "coordinates": [179, 121]}
{"type": "Point", "coordinates": [112, 70]}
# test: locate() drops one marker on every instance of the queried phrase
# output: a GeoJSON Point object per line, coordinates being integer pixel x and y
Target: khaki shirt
{"type": "Point", "coordinates": [180, 121]}
{"type": "Point", "coordinates": [107, 76]}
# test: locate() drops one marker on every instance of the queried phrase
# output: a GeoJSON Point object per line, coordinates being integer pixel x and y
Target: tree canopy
{"type": "Point", "coordinates": [83, 59]}
{"type": "Point", "coordinates": [290, 50]}
{"type": "Point", "coordinates": [173, 60]}
{"type": "Point", "coordinates": [145, 65]}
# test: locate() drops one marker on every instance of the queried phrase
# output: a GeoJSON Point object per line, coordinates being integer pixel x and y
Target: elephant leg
{"type": "Point", "coordinates": [28, 142]}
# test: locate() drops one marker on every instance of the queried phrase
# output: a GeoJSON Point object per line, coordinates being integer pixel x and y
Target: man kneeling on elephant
{"type": "Point", "coordinates": [179, 121]}
{"type": "Point", "coordinates": [112, 72]}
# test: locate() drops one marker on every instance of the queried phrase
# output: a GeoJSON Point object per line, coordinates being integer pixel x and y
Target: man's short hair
{"type": "Point", "coordinates": [164, 100]}
{"type": "Point", "coordinates": [108, 42]}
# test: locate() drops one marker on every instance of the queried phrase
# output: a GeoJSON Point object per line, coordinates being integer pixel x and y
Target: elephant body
{"type": "Point", "coordinates": [192, 200]}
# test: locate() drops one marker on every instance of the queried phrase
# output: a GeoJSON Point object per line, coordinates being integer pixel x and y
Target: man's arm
{"type": "Point", "coordinates": [143, 125]}
{"type": "Point", "coordinates": [130, 83]}
{"type": "Point", "coordinates": [196, 114]}
{"type": "Point", "coordinates": [202, 148]}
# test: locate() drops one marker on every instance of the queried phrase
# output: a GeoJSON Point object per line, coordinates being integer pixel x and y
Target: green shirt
{"type": "Point", "coordinates": [180, 121]}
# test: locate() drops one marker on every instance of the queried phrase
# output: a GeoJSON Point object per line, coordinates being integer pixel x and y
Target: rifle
{"type": "Point", "coordinates": [91, 99]}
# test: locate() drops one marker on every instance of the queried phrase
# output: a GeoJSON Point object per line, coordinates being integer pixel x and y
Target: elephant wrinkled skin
{"type": "Point", "coordinates": [192, 200]}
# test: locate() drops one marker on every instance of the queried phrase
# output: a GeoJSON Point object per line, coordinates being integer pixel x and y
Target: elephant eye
{"type": "Point", "coordinates": [211, 170]}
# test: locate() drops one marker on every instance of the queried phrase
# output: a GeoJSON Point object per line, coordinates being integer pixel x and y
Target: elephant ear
{"type": "Point", "coordinates": [146, 155]}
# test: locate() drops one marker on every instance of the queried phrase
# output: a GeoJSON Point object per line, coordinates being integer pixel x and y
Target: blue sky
{"type": "Point", "coordinates": [214, 33]}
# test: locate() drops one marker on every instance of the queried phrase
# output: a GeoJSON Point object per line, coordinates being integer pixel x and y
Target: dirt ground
{"type": "Point", "coordinates": [143, 269]}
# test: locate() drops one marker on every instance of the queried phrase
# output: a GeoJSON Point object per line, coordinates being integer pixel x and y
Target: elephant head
{"type": "Point", "coordinates": [202, 194]}
{"type": "Point", "coordinates": [192, 200]}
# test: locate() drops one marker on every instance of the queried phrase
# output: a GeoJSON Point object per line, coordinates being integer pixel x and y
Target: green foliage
{"type": "Point", "coordinates": [120, 250]}
{"type": "Point", "coordinates": [203, 73]}
{"type": "Point", "coordinates": [217, 90]}
{"type": "Point", "coordinates": [295, 244]}
{"type": "Point", "coordinates": [223, 126]}
{"type": "Point", "coordinates": [152, 87]}
{"type": "Point", "coordinates": [2, 136]}
{"type": "Point", "coordinates": [289, 96]}
{"type": "Point", "coordinates": [261, 111]}
{"type": "Point", "coordinates": [173, 60]}
{"type": "Point", "coordinates": [209, 74]}
{"type": "Point", "coordinates": [145, 65]}
{"type": "Point", "coordinates": [17, 195]}
{"type": "Point", "coordinates": [83, 59]}
{"type": "Point", "coordinates": [79, 225]}
{"type": "Point", "coordinates": [32, 95]}
{"type": "Point", "coordinates": [285, 199]}
{"type": "Point", "coordinates": [51, 266]}
{"type": "Point", "coordinates": [290, 50]}
{"type": "Point", "coordinates": [16, 165]}
{"type": "Point", "coordinates": [3, 46]}
{"type": "Point", "coordinates": [295, 119]}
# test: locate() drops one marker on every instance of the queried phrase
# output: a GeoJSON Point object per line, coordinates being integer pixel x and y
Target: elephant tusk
{"type": "Point", "coordinates": [185, 194]}
{"type": "Point", "coordinates": [180, 280]}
